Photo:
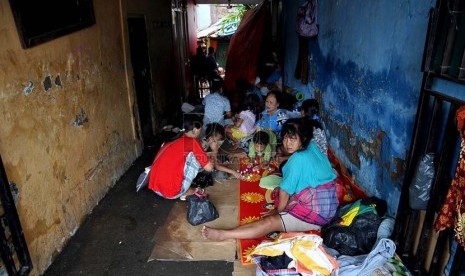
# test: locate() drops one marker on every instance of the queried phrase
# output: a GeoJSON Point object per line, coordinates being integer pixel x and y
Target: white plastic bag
{"type": "Point", "coordinates": [143, 179]}
{"type": "Point", "coordinates": [420, 188]}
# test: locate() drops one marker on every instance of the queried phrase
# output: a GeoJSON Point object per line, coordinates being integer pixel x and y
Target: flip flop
{"type": "Point", "coordinates": [273, 235]}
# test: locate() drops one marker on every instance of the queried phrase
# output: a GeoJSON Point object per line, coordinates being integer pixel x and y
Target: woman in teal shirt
{"type": "Point", "coordinates": [305, 200]}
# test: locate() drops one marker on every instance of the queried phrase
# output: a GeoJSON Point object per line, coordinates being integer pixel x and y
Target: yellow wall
{"type": "Point", "coordinates": [62, 169]}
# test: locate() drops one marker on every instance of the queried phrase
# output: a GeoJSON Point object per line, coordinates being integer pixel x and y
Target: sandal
{"type": "Point", "coordinates": [200, 190]}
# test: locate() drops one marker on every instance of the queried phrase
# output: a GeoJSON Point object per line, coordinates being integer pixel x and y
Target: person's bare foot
{"type": "Point", "coordinates": [212, 234]}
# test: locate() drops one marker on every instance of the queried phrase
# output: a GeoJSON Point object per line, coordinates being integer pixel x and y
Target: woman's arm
{"type": "Point", "coordinates": [283, 199]}
{"type": "Point", "coordinates": [220, 167]}
{"type": "Point", "coordinates": [209, 167]}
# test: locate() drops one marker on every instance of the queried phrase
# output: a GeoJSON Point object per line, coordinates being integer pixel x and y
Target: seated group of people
{"type": "Point", "coordinates": [306, 197]}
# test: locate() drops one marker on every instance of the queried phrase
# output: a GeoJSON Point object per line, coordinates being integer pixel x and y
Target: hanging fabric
{"type": "Point", "coordinates": [307, 19]}
{"type": "Point", "coordinates": [452, 213]}
{"type": "Point", "coordinates": [244, 51]}
{"type": "Point", "coordinates": [307, 27]}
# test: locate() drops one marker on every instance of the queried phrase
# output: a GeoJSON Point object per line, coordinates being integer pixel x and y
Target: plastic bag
{"type": "Point", "coordinates": [419, 190]}
{"type": "Point", "coordinates": [143, 179]}
{"type": "Point", "coordinates": [360, 236]}
{"type": "Point", "coordinates": [202, 180]}
{"type": "Point", "coordinates": [200, 209]}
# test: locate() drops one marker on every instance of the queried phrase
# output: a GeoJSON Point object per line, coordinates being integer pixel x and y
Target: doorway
{"type": "Point", "coordinates": [14, 255]}
{"type": "Point", "coordinates": [142, 75]}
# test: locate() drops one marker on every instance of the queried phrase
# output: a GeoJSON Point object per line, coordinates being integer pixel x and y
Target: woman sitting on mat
{"type": "Point", "coordinates": [179, 160]}
{"type": "Point", "coordinates": [306, 198]}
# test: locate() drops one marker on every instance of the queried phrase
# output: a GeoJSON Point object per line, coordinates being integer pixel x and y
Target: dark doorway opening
{"type": "Point", "coordinates": [15, 259]}
{"type": "Point", "coordinates": [142, 75]}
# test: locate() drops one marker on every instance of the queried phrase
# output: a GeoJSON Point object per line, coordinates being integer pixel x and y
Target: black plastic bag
{"type": "Point", "coordinates": [202, 180]}
{"type": "Point", "coordinates": [200, 209]}
{"type": "Point", "coordinates": [360, 236]}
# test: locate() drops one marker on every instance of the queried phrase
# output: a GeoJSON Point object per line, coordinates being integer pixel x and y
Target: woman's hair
{"type": "Point", "coordinates": [261, 137]}
{"type": "Point", "coordinates": [217, 83]}
{"type": "Point", "coordinates": [189, 122]}
{"type": "Point", "coordinates": [297, 127]}
{"type": "Point", "coordinates": [312, 123]}
{"type": "Point", "coordinates": [252, 103]}
{"type": "Point", "coordinates": [214, 129]}
{"type": "Point", "coordinates": [311, 108]}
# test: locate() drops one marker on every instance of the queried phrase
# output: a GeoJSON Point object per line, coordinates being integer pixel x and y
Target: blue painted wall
{"type": "Point", "coordinates": [367, 61]}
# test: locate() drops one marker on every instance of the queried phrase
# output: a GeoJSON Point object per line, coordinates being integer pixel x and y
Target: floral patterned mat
{"type": "Point", "coordinates": [253, 200]}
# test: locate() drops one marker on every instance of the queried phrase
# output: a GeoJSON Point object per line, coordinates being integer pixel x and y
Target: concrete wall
{"type": "Point", "coordinates": [68, 129]}
{"type": "Point", "coordinates": [367, 60]}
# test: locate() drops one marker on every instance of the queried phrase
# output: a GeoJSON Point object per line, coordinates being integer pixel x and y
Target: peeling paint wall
{"type": "Point", "coordinates": [68, 130]}
{"type": "Point", "coordinates": [367, 61]}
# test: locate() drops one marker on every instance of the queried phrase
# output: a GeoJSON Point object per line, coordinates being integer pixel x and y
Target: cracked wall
{"type": "Point", "coordinates": [367, 64]}
{"type": "Point", "coordinates": [68, 126]}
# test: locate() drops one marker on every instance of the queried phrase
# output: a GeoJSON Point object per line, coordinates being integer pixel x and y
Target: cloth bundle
{"type": "Point", "coordinates": [305, 252]}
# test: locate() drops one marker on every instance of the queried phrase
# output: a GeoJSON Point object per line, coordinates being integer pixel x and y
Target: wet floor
{"type": "Point", "coordinates": [116, 238]}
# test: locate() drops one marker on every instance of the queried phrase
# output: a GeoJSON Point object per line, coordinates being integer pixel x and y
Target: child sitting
{"type": "Point", "coordinates": [214, 135]}
{"type": "Point", "coordinates": [261, 147]}
{"type": "Point", "coordinates": [244, 122]}
{"type": "Point", "coordinates": [244, 125]}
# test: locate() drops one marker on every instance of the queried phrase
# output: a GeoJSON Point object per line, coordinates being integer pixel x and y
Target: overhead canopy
{"type": "Point", "coordinates": [215, 30]}
{"type": "Point", "coordinates": [233, 2]}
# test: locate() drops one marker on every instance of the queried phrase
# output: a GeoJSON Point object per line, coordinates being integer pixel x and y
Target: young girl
{"type": "Point", "coordinates": [244, 122]}
{"type": "Point", "coordinates": [178, 161]}
{"type": "Point", "coordinates": [262, 146]}
{"type": "Point", "coordinates": [214, 135]}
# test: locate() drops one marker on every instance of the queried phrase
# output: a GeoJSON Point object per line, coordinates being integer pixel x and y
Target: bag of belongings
{"type": "Point", "coordinates": [354, 228]}
{"type": "Point", "coordinates": [200, 209]}
{"type": "Point", "coordinates": [143, 179]}
{"type": "Point", "coordinates": [202, 180]}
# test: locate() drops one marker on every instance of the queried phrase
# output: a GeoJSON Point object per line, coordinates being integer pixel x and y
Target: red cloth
{"type": "Point", "coordinates": [244, 51]}
{"type": "Point", "coordinates": [167, 171]}
{"type": "Point", "coordinates": [252, 201]}
{"type": "Point", "coordinates": [460, 116]}
{"type": "Point", "coordinates": [454, 205]}
{"type": "Point", "coordinates": [448, 215]}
